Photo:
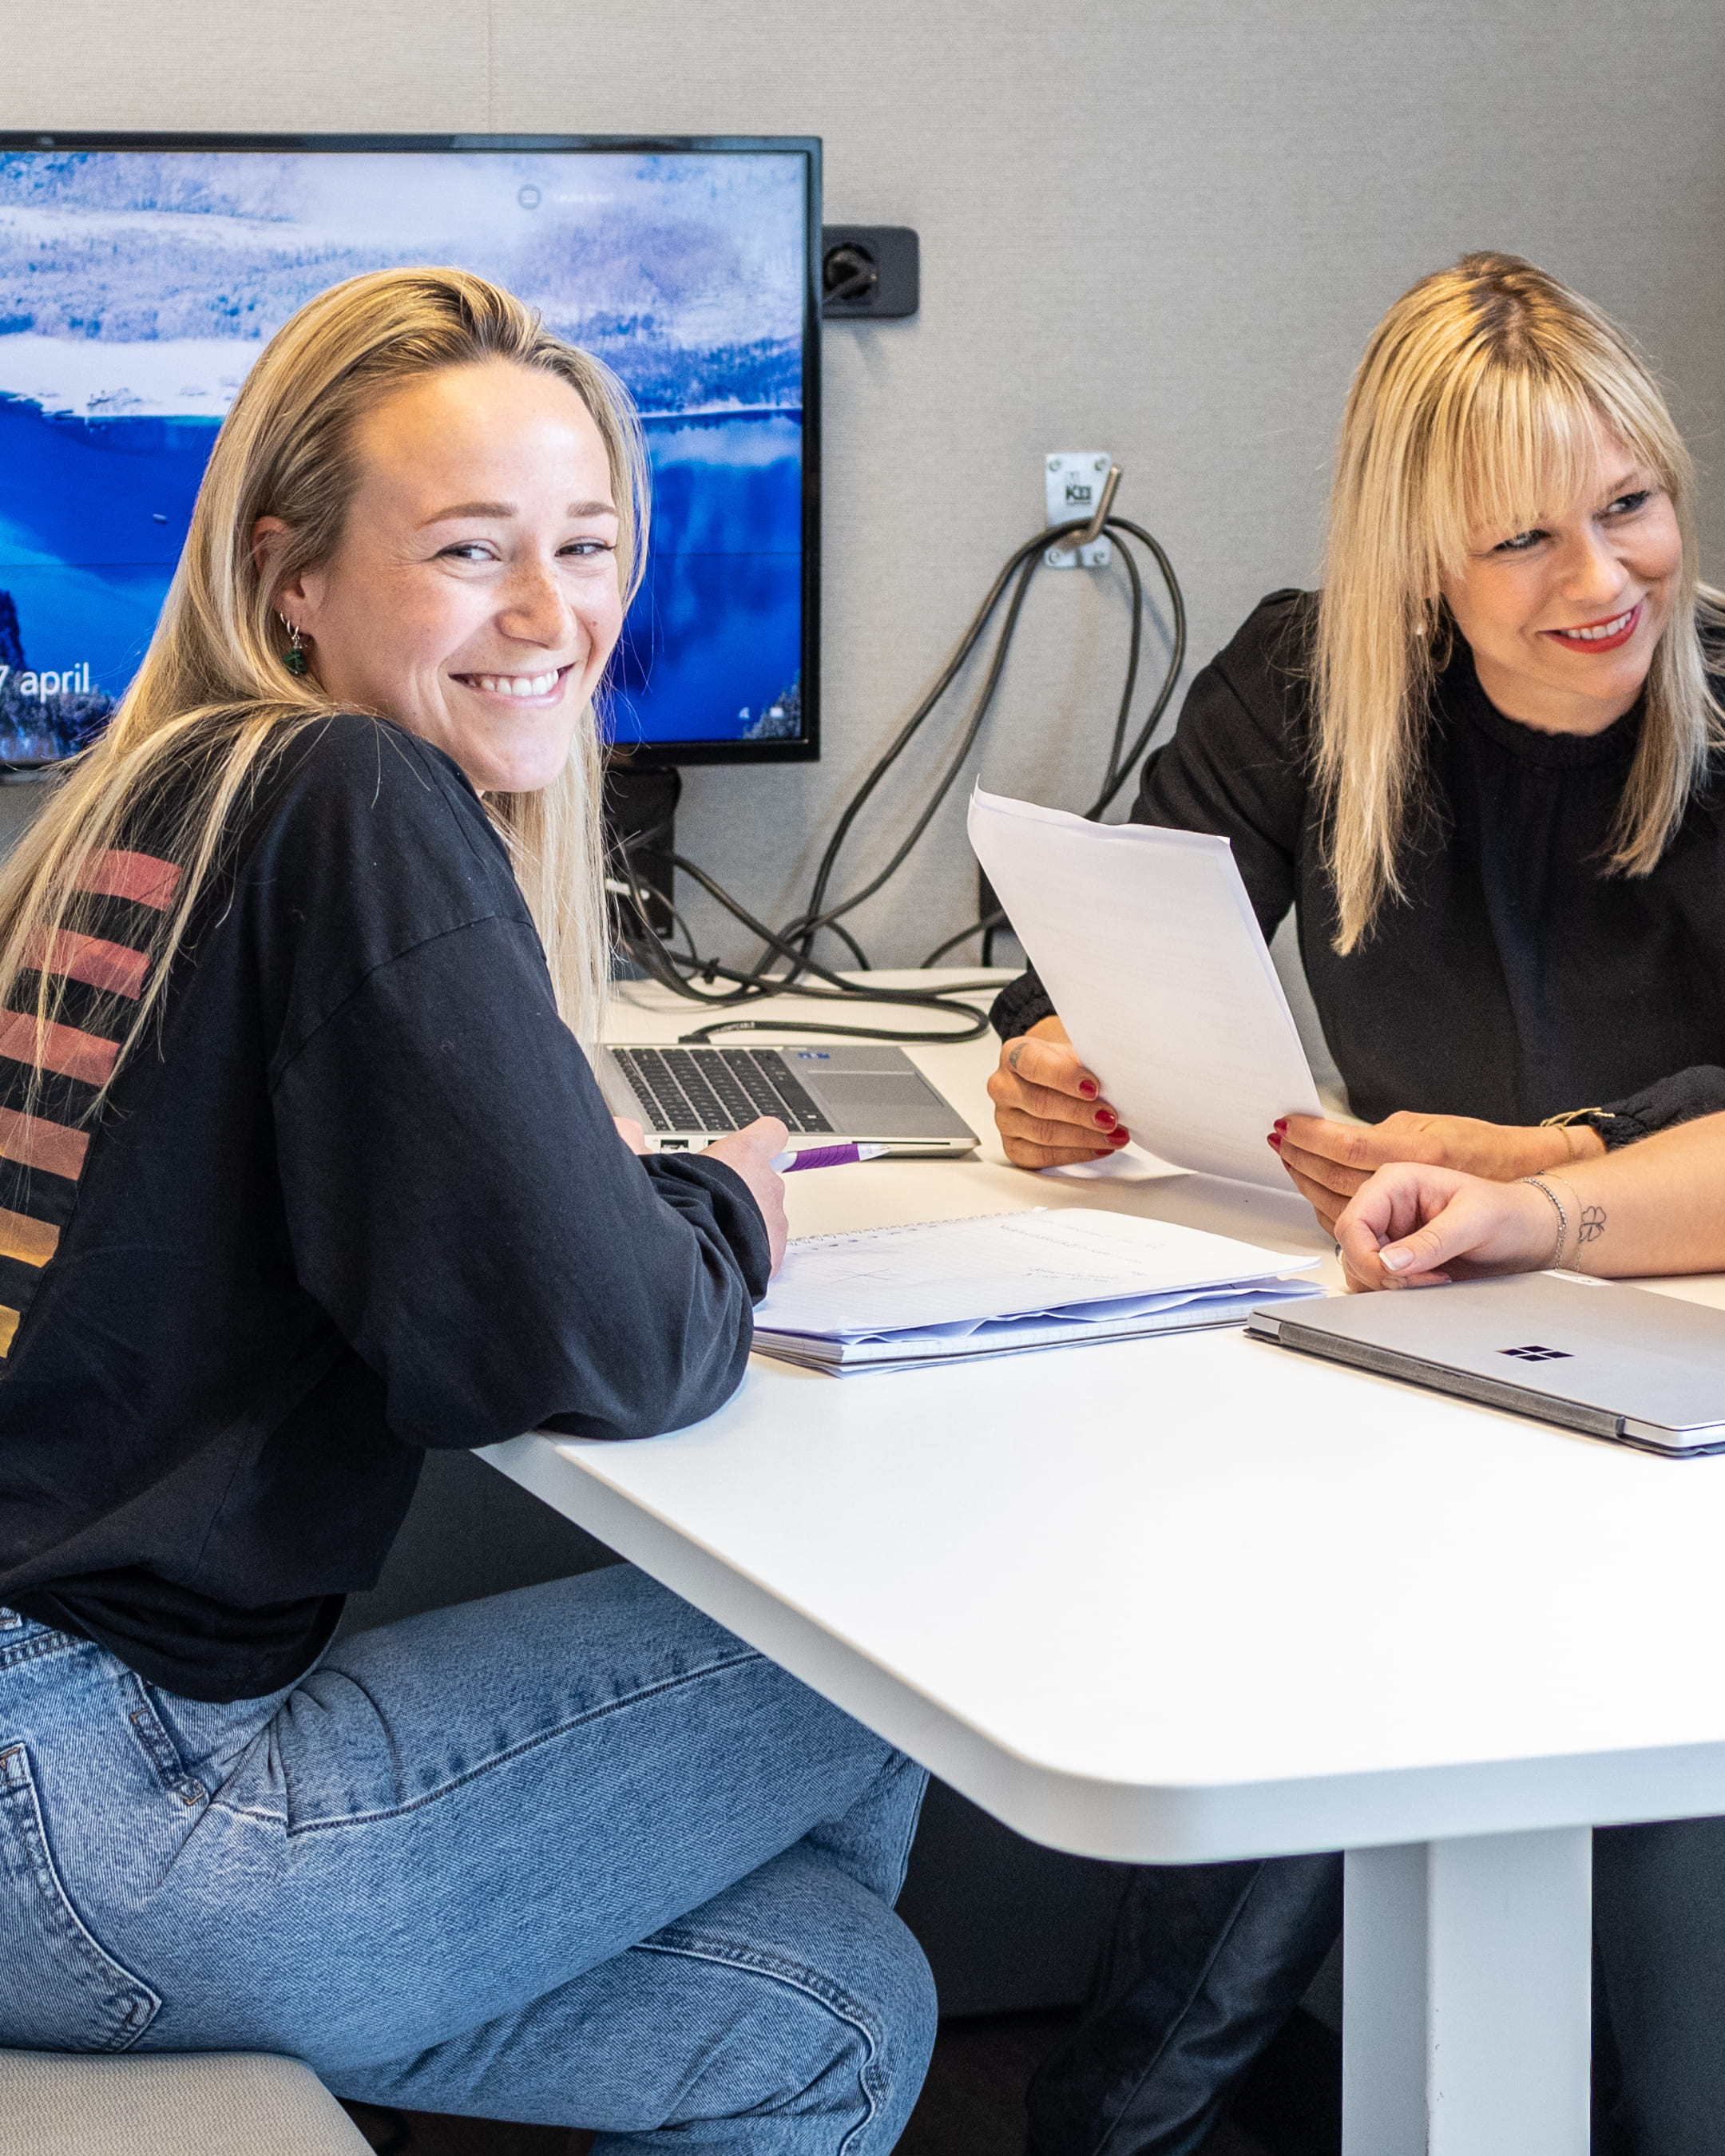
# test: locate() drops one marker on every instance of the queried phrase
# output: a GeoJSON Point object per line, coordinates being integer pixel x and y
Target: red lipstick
{"type": "Point", "coordinates": [1585, 637]}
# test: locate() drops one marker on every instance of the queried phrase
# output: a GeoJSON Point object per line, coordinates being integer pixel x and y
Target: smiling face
{"type": "Point", "coordinates": [1563, 618]}
{"type": "Point", "coordinates": [472, 596]}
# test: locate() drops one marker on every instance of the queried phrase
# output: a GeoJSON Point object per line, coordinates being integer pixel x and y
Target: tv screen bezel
{"type": "Point", "coordinates": [646, 756]}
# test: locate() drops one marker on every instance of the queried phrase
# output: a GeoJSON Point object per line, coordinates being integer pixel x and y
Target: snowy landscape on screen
{"type": "Point", "coordinates": [137, 287]}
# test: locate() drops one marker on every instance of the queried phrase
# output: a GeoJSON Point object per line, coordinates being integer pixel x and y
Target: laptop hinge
{"type": "Point", "coordinates": [1490, 1391]}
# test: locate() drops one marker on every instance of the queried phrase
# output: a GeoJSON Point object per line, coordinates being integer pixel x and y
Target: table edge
{"type": "Point", "coordinates": [1087, 1816]}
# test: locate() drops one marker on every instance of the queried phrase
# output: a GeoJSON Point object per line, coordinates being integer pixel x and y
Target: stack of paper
{"type": "Point", "coordinates": [948, 1290]}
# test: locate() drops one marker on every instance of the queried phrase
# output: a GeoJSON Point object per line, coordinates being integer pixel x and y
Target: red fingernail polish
{"type": "Point", "coordinates": [1107, 1118]}
{"type": "Point", "coordinates": [1120, 1137]}
{"type": "Point", "coordinates": [1281, 1123]}
{"type": "Point", "coordinates": [1274, 1141]}
{"type": "Point", "coordinates": [1086, 1086]}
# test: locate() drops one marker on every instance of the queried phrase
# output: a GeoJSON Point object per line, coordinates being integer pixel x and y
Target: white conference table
{"type": "Point", "coordinates": [1195, 1598]}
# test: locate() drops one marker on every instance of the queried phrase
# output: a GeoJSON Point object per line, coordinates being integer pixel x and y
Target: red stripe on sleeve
{"type": "Point", "coordinates": [66, 1050]}
{"type": "Point", "coordinates": [140, 876]}
{"type": "Point", "coordinates": [32, 1141]}
{"type": "Point", "coordinates": [89, 959]}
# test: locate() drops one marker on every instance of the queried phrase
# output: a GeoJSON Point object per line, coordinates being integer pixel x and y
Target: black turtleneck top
{"type": "Point", "coordinates": [1517, 977]}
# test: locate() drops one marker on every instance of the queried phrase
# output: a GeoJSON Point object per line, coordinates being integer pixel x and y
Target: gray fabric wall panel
{"type": "Point", "coordinates": [1159, 229]}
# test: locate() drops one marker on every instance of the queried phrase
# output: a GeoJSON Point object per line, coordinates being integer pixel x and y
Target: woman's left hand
{"type": "Point", "coordinates": [1419, 1227]}
{"type": "Point", "coordinates": [1329, 1161]}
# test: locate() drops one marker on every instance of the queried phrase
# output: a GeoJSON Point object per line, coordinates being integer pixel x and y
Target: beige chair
{"type": "Point", "coordinates": [213, 2103]}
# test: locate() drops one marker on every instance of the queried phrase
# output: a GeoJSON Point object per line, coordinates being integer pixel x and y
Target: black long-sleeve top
{"type": "Point", "coordinates": [1517, 978]}
{"type": "Point", "coordinates": [363, 1198]}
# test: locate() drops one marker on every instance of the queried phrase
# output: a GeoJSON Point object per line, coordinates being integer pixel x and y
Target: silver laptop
{"type": "Point", "coordinates": [1615, 1362]}
{"type": "Point", "coordinates": [685, 1097]}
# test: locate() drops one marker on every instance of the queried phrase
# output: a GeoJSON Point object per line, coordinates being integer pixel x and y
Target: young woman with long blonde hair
{"type": "Point", "coordinates": [1479, 766]}
{"type": "Point", "coordinates": [303, 1170]}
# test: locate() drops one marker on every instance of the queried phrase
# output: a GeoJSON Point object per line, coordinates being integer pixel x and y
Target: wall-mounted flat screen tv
{"type": "Point", "coordinates": [141, 275]}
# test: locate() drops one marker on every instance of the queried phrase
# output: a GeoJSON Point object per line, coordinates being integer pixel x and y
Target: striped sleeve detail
{"type": "Point", "coordinates": [65, 1051]}
{"type": "Point", "coordinates": [33, 1142]}
{"type": "Point", "coordinates": [51, 1073]}
{"type": "Point", "coordinates": [89, 959]}
{"type": "Point", "coordinates": [31, 1242]}
{"type": "Point", "coordinates": [137, 876]}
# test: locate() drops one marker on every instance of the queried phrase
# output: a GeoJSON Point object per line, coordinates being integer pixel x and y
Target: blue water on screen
{"type": "Point", "coordinates": [92, 514]}
{"type": "Point", "coordinates": [137, 287]}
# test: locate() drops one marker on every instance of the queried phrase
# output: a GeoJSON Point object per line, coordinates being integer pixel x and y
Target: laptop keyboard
{"type": "Point", "coordinates": [717, 1089]}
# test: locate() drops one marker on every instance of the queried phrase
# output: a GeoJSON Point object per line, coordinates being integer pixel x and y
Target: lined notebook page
{"type": "Point", "coordinates": [946, 1272]}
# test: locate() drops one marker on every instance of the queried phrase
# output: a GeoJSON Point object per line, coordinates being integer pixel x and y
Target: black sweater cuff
{"type": "Point", "coordinates": [1700, 1091]}
{"type": "Point", "coordinates": [731, 1202]}
{"type": "Point", "coordinates": [1021, 1004]}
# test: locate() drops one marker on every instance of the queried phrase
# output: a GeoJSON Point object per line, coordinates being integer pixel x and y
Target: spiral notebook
{"type": "Point", "coordinates": [953, 1290]}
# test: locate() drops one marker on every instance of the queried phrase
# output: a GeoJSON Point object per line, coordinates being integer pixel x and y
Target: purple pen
{"type": "Point", "coordinates": [837, 1156]}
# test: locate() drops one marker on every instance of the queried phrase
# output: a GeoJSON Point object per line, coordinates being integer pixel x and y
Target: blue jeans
{"type": "Point", "coordinates": [573, 1855]}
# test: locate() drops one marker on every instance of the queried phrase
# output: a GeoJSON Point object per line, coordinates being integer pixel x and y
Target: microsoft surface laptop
{"type": "Point", "coordinates": [1615, 1362]}
{"type": "Point", "coordinates": [873, 1095]}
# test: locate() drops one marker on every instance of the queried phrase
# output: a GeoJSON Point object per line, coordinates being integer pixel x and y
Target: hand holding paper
{"type": "Point", "coordinates": [1147, 944]}
{"type": "Point", "coordinates": [1049, 1110]}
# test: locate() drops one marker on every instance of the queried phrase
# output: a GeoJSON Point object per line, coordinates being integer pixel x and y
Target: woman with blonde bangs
{"type": "Point", "coordinates": [1479, 766]}
{"type": "Point", "coordinates": [303, 1170]}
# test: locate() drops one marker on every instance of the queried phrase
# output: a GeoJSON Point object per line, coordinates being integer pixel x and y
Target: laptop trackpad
{"type": "Point", "coordinates": [870, 1093]}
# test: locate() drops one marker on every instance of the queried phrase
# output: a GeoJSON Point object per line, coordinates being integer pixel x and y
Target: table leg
{"type": "Point", "coordinates": [1468, 1997]}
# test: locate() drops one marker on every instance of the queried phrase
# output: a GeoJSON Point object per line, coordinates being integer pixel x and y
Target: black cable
{"type": "Point", "coordinates": [851, 945]}
{"type": "Point", "coordinates": [912, 726]}
{"type": "Point", "coordinates": [792, 942]}
{"type": "Point", "coordinates": [1176, 659]}
{"type": "Point", "coordinates": [811, 922]}
{"type": "Point", "coordinates": [791, 945]}
{"type": "Point", "coordinates": [1134, 645]}
{"type": "Point", "coordinates": [753, 985]}
{"type": "Point", "coordinates": [1032, 556]}
{"type": "Point", "coordinates": [1120, 767]}
{"type": "Point", "coordinates": [986, 926]}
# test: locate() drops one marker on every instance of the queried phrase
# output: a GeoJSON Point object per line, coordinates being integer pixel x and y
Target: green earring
{"type": "Point", "coordinates": [294, 659]}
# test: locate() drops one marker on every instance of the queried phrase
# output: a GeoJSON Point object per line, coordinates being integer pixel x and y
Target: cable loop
{"type": "Point", "coordinates": [792, 944]}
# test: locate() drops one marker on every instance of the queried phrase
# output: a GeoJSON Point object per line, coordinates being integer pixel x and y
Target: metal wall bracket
{"type": "Point", "coordinates": [1079, 483]}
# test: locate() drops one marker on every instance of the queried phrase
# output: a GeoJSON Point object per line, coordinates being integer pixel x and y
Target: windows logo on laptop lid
{"type": "Point", "coordinates": [1616, 1362]}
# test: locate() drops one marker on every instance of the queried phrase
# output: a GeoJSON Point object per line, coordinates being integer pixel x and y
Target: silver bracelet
{"type": "Point", "coordinates": [1575, 1264]}
{"type": "Point", "coordinates": [1539, 1184]}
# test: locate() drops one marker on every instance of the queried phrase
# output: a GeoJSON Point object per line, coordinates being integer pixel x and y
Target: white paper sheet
{"type": "Point", "coordinates": [955, 1272]}
{"type": "Point", "coordinates": [1147, 944]}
